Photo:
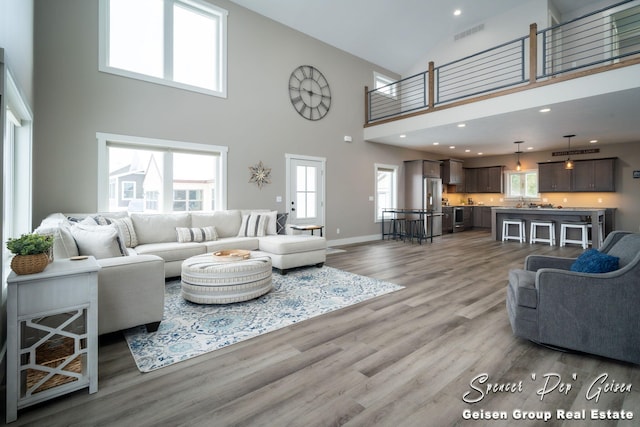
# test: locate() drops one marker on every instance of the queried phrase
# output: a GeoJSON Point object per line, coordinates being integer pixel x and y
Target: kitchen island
{"type": "Point", "coordinates": [593, 215]}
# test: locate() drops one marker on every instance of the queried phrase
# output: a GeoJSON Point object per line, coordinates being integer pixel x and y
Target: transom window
{"type": "Point", "coordinates": [384, 84]}
{"type": "Point", "coordinates": [180, 43]}
{"type": "Point", "coordinates": [159, 175]}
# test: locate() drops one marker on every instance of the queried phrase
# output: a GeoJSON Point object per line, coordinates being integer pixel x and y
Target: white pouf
{"type": "Point", "coordinates": [206, 280]}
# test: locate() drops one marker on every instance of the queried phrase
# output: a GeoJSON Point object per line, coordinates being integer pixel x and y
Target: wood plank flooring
{"type": "Point", "coordinates": [403, 359]}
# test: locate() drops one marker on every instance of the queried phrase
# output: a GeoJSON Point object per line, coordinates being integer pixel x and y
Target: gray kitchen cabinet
{"type": "Point", "coordinates": [452, 172]}
{"type": "Point", "coordinates": [553, 177]}
{"type": "Point", "coordinates": [594, 175]}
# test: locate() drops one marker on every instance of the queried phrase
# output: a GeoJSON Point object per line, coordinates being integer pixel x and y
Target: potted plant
{"type": "Point", "coordinates": [31, 252]}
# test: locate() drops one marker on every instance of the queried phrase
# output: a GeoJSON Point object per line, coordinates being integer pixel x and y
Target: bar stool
{"type": "Point", "coordinates": [600, 237]}
{"type": "Point", "coordinates": [533, 233]}
{"type": "Point", "coordinates": [521, 236]}
{"type": "Point", "coordinates": [415, 228]}
{"type": "Point", "coordinates": [577, 225]}
{"type": "Point", "coordinates": [397, 228]}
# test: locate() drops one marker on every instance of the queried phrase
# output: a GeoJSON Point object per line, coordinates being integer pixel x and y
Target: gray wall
{"type": "Point", "coordinates": [256, 121]}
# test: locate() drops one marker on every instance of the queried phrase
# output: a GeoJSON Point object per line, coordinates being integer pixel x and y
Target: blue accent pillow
{"type": "Point", "coordinates": [594, 261]}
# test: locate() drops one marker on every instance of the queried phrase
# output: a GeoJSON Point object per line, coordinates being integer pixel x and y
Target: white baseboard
{"type": "Point", "coordinates": [352, 240]}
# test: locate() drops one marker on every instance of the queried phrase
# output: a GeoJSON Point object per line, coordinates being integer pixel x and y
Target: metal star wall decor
{"type": "Point", "coordinates": [260, 175]}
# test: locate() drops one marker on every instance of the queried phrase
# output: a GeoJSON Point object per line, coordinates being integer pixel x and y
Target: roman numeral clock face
{"type": "Point", "coordinates": [309, 92]}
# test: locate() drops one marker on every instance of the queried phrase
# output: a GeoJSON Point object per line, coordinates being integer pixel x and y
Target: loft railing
{"type": "Point", "coordinates": [603, 37]}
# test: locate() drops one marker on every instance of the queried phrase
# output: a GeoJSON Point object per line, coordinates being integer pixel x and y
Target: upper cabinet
{"type": "Point", "coordinates": [586, 175]}
{"type": "Point", "coordinates": [483, 180]}
{"type": "Point", "coordinates": [553, 177]}
{"type": "Point", "coordinates": [594, 175]}
{"type": "Point", "coordinates": [431, 169]}
{"type": "Point", "coordinates": [452, 172]}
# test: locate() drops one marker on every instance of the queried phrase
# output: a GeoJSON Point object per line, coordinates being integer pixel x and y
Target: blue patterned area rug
{"type": "Point", "coordinates": [189, 330]}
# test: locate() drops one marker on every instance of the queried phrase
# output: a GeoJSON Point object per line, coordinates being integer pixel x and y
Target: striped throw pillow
{"type": "Point", "coordinates": [253, 225]}
{"type": "Point", "coordinates": [204, 234]}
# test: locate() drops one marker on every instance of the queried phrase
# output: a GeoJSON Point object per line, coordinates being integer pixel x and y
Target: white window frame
{"type": "Point", "coordinates": [394, 187]}
{"type": "Point", "coordinates": [507, 180]}
{"type": "Point", "coordinates": [206, 8]}
{"type": "Point", "coordinates": [381, 84]}
{"type": "Point", "coordinates": [122, 190]}
{"type": "Point", "coordinates": [165, 145]}
{"type": "Point", "coordinates": [16, 131]}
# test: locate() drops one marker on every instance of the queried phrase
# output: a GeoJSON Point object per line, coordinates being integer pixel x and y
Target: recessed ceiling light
{"type": "Point", "coordinates": [545, 110]}
{"type": "Point", "coordinates": [529, 148]}
{"type": "Point", "coordinates": [403, 136]}
{"type": "Point", "coordinates": [467, 151]}
{"type": "Point", "coordinates": [480, 154]}
{"type": "Point", "coordinates": [452, 146]}
{"type": "Point", "coordinates": [436, 143]}
{"type": "Point", "coordinates": [457, 12]}
{"type": "Point", "coordinates": [461, 125]}
{"type": "Point", "coordinates": [593, 141]}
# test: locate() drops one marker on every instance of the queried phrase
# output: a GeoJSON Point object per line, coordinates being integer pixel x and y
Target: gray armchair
{"type": "Point", "coordinates": [597, 313]}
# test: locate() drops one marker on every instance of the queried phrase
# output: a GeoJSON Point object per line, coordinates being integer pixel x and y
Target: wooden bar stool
{"type": "Point", "coordinates": [521, 236]}
{"type": "Point", "coordinates": [549, 224]}
{"type": "Point", "coordinates": [577, 225]}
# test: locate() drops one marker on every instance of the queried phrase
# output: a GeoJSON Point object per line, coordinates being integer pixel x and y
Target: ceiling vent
{"type": "Point", "coordinates": [468, 32]}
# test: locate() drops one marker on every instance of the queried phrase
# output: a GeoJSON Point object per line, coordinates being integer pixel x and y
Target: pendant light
{"type": "Point", "coordinates": [568, 164]}
{"type": "Point", "coordinates": [518, 164]}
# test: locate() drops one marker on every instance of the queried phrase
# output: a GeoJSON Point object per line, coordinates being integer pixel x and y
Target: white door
{"type": "Point", "coordinates": [305, 190]}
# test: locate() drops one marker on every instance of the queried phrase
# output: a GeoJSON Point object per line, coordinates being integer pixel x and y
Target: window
{"type": "Point", "coordinates": [128, 190]}
{"type": "Point", "coordinates": [385, 85]}
{"type": "Point", "coordinates": [522, 185]}
{"type": "Point", "coordinates": [180, 43]}
{"type": "Point", "coordinates": [160, 175]}
{"type": "Point", "coordinates": [16, 161]}
{"type": "Point", "coordinates": [386, 188]}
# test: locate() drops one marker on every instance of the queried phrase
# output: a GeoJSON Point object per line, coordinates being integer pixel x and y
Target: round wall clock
{"type": "Point", "coordinates": [309, 92]}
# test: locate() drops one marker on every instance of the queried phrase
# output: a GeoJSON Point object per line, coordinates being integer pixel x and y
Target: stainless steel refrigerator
{"type": "Point", "coordinates": [432, 203]}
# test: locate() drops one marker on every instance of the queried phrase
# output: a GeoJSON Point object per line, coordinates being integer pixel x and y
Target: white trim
{"type": "Point", "coordinates": [165, 145]}
{"type": "Point", "coordinates": [210, 9]}
{"type": "Point", "coordinates": [395, 189]}
{"type": "Point", "coordinates": [288, 196]}
{"type": "Point", "coordinates": [353, 240]}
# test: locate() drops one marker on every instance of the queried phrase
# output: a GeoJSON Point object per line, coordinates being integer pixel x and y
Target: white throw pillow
{"type": "Point", "coordinates": [124, 226]}
{"type": "Point", "coordinates": [253, 225]}
{"type": "Point", "coordinates": [100, 241]}
{"type": "Point", "coordinates": [196, 234]}
{"type": "Point", "coordinates": [272, 221]}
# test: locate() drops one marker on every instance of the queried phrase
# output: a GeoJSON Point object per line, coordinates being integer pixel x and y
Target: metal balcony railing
{"type": "Point", "coordinates": [603, 37]}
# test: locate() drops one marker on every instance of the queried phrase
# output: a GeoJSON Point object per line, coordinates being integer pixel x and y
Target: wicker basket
{"type": "Point", "coordinates": [29, 264]}
{"type": "Point", "coordinates": [51, 355]}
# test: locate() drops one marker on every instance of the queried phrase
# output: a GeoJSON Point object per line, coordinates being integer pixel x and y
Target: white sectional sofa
{"type": "Point", "coordinates": [138, 251]}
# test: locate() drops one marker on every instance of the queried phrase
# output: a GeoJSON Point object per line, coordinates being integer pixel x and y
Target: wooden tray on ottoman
{"type": "Point", "coordinates": [232, 255]}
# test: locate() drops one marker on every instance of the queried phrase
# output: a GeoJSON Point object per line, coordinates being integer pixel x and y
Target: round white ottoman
{"type": "Point", "coordinates": [206, 280]}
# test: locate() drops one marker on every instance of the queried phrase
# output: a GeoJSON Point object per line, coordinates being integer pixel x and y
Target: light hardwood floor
{"type": "Point", "coordinates": [403, 359]}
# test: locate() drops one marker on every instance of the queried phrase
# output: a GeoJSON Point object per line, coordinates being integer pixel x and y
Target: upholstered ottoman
{"type": "Point", "coordinates": [207, 280]}
{"type": "Point", "coordinates": [292, 251]}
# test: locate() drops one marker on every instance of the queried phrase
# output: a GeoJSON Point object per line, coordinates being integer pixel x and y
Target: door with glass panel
{"type": "Point", "coordinates": [305, 195]}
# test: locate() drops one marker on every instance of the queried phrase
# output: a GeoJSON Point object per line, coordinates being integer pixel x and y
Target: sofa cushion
{"type": "Point", "coordinates": [171, 251]}
{"type": "Point", "coordinates": [523, 285]}
{"type": "Point", "coordinates": [196, 234]}
{"type": "Point", "coordinates": [626, 249]}
{"type": "Point", "coordinates": [247, 243]}
{"type": "Point", "coordinates": [227, 223]}
{"type": "Point", "coordinates": [253, 225]}
{"type": "Point", "coordinates": [282, 245]}
{"type": "Point", "coordinates": [594, 261]}
{"type": "Point", "coordinates": [158, 228]}
{"type": "Point", "coordinates": [124, 226]}
{"type": "Point", "coordinates": [100, 241]}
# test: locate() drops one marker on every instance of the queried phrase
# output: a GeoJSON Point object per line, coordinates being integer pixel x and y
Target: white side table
{"type": "Point", "coordinates": [52, 333]}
